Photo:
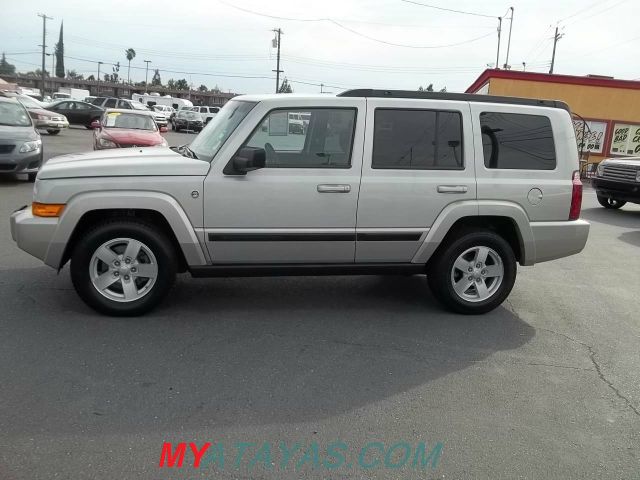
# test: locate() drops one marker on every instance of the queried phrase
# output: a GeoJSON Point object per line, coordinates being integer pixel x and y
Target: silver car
{"type": "Point", "coordinates": [20, 143]}
{"type": "Point", "coordinates": [462, 188]}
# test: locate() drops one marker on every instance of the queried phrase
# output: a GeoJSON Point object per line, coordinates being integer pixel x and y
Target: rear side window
{"type": "Point", "coordinates": [517, 141]}
{"type": "Point", "coordinates": [110, 103]}
{"type": "Point", "coordinates": [417, 140]}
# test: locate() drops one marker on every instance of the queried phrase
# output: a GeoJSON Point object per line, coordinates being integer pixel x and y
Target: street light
{"type": "Point", "coordinates": [98, 89]}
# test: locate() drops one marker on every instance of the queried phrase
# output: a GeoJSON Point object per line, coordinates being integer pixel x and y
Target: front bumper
{"type": "Point", "coordinates": [32, 234]}
{"type": "Point", "coordinates": [623, 191]}
{"type": "Point", "coordinates": [51, 124]}
{"type": "Point", "coordinates": [16, 162]}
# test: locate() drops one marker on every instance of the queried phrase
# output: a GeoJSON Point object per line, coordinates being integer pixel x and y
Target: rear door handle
{"type": "Point", "coordinates": [331, 188]}
{"type": "Point", "coordinates": [452, 189]}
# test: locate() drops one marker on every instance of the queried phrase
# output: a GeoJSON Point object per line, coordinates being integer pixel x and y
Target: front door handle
{"type": "Point", "coordinates": [452, 189]}
{"type": "Point", "coordinates": [332, 188]}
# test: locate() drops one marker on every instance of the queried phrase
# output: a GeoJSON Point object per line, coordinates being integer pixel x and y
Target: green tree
{"type": "Point", "coordinates": [203, 88]}
{"type": "Point", "coordinates": [5, 67]}
{"type": "Point", "coordinates": [285, 87]}
{"type": "Point", "coordinates": [130, 54]}
{"type": "Point", "coordinates": [73, 75]}
{"type": "Point", "coordinates": [59, 52]}
{"type": "Point", "coordinates": [156, 81]}
{"type": "Point", "coordinates": [91, 78]}
{"type": "Point", "coordinates": [171, 84]}
{"type": "Point", "coordinates": [182, 84]}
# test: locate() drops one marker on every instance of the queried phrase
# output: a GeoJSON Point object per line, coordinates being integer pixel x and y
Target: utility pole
{"type": "Point", "coordinates": [556, 37]}
{"type": "Point", "coordinates": [499, 31]}
{"type": "Point", "coordinates": [506, 62]}
{"type": "Point", "coordinates": [146, 76]}
{"type": "Point", "coordinates": [278, 33]}
{"type": "Point", "coordinates": [44, 43]}
{"type": "Point", "coordinates": [98, 90]}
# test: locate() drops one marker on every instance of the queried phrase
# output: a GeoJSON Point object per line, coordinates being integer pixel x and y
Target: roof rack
{"type": "Point", "coordinates": [463, 97]}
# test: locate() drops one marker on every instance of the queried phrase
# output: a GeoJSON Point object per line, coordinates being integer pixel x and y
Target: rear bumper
{"type": "Point", "coordinates": [559, 239]}
{"type": "Point", "coordinates": [625, 191]}
{"type": "Point", "coordinates": [32, 234]}
{"type": "Point", "coordinates": [51, 124]}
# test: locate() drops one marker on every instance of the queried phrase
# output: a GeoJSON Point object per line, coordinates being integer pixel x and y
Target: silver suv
{"type": "Point", "coordinates": [458, 187]}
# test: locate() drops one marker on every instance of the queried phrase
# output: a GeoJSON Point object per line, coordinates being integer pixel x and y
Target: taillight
{"type": "Point", "coordinates": [576, 197]}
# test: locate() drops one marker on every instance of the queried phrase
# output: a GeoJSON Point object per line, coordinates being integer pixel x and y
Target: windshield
{"type": "Point", "coordinates": [220, 128]}
{"type": "Point", "coordinates": [29, 102]}
{"type": "Point", "coordinates": [129, 121]}
{"type": "Point", "coordinates": [13, 115]}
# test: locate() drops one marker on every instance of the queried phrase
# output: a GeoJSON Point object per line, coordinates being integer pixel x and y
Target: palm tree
{"type": "Point", "coordinates": [131, 54]}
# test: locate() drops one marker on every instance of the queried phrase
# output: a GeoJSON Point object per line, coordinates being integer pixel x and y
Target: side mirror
{"type": "Point", "coordinates": [96, 124]}
{"type": "Point", "coordinates": [163, 129]}
{"type": "Point", "coordinates": [246, 160]}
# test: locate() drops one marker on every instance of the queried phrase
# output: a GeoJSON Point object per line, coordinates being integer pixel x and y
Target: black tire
{"type": "Point", "coordinates": [610, 203]}
{"type": "Point", "coordinates": [53, 132]}
{"type": "Point", "coordinates": [439, 272]}
{"type": "Point", "coordinates": [152, 237]}
{"type": "Point", "coordinates": [31, 177]}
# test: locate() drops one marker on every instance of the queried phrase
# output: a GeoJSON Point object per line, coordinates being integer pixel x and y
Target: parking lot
{"type": "Point", "coordinates": [546, 386]}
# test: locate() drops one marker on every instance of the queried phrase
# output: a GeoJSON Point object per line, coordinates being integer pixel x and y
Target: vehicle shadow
{"type": "Point", "coordinates": [11, 178]}
{"type": "Point", "coordinates": [618, 218]}
{"type": "Point", "coordinates": [632, 238]}
{"type": "Point", "coordinates": [232, 352]}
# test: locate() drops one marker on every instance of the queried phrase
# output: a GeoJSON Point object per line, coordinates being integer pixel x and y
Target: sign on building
{"type": "Point", "coordinates": [590, 135]}
{"type": "Point", "coordinates": [626, 139]}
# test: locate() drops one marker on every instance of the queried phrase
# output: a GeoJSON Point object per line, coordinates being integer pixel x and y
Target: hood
{"type": "Point", "coordinates": [132, 137]}
{"type": "Point", "coordinates": [634, 161]}
{"type": "Point", "coordinates": [17, 133]}
{"type": "Point", "coordinates": [125, 162]}
{"type": "Point", "coordinates": [42, 111]}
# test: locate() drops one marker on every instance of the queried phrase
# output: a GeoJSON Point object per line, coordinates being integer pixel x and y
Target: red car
{"type": "Point", "coordinates": [127, 128]}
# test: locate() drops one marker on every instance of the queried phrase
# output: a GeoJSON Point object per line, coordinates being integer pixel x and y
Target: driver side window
{"type": "Point", "coordinates": [306, 138]}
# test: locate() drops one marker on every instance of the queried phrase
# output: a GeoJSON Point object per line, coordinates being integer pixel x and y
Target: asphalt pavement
{"type": "Point", "coordinates": [544, 387]}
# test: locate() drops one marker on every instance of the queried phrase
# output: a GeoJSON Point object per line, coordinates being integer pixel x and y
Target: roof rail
{"type": "Point", "coordinates": [463, 97]}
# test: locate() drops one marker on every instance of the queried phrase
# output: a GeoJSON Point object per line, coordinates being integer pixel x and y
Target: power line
{"type": "Point", "coordinates": [350, 30]}
{"type": "Point", "coordinates": [450, 9]}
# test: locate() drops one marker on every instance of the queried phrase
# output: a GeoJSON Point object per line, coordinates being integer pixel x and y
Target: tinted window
{"type": "Point", "coordinates": [82, 106]}
{"type": "Point", "coordinates": [517, 141]}
{"type": "Point", "coordinates": [110, 103]}
{"type": "Point", "coordinates": [325, 143]}
{"type": "Point", "coordinates": [417, 140]}
{"type": "Point", "coordinates": [63, 106]}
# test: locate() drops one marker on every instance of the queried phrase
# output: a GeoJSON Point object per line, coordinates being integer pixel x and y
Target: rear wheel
{"type": "Point", "coordinates": [610, 203]}
{"type": "Point", "coordinates": [123, 267]}
{"type": "Point", "coordinates": [53, 132]}
{"type": "Point", "coordinates": [474, 274]}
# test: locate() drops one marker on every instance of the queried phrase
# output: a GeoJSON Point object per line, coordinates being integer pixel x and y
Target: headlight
{"type": "Point", "coordinates": [33, 146]}
{"type": "Point", "coordinates": [600, 169]}
{"type": "Point", "coordinates": [43, 117]}
{"type": "Point", "coordinates": [103, 142]}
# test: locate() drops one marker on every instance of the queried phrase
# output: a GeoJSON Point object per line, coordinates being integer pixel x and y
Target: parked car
{"type": "Point", "coordinates": [617, 181]}
{"type": "Point", "coordinates": [47, 120]}
{"type": "Point", "coordinates": [123, 103]}
{"type": "Point", "coordinates": [207, 112]}
{"type": "Point", "coordinates": [20, 143]}
{"type": "Point", "coordinates": [458, 187]}
{"type": "Point", "coordinates": [127, 128]}
{"type": "Point", "coordinates": [187, 120]}
{"type": "Point", "coordinates": [77, 113]}
{"type": "Point", "coordinates": [165, 110]}
{"type": "Point", "coordinates": [159, 117]}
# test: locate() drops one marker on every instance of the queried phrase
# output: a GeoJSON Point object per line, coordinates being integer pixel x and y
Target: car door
{"type": "Point", "coordinates": [64, 108]}
{"type": "Point", "coordinates": [300, 208]}
{"type": "Point", "coordinates": [418, 159]}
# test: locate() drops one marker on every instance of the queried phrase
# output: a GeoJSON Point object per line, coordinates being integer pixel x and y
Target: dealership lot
{"type": "Point", "coordinates": [543, 387]}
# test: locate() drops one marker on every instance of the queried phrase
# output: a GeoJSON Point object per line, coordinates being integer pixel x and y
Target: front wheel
{"type": "Point", "coordinates": [474, 274]}
{"type": "Point", "coordinates": [53, 132]}
{"type": "Point", "coordinates": [610, 203]}
{"type": "Point", "coordinates": [123, 267]}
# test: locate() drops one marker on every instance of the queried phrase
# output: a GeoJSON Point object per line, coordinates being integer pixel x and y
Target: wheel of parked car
{"type": "Point", "coordinates": [474, 273]}
{"type": "Point", "coordinates": [53, 132]}
{"type": "Point", "coordinates": [610, 203]}
{"type": "Point", "coordinates": [123, 267]}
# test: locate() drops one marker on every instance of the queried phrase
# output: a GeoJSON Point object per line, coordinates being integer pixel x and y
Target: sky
{"type": "Point", "coordinates": [328, 45]}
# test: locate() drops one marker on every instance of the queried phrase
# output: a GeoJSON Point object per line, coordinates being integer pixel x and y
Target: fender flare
{"type": "Point", "coordinates": [164, 204]}
{"type": "Point", "coordinates": [474, 208]}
